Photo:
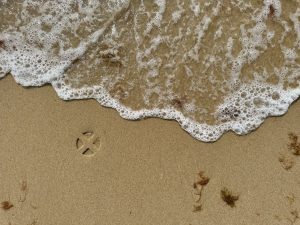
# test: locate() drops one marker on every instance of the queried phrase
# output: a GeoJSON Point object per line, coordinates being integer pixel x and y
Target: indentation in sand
{"type": "Point", "coordinates": [88, 143]}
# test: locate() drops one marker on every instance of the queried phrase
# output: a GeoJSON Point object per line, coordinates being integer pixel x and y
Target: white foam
{"type": "Point", "coordinates": [36, 55]}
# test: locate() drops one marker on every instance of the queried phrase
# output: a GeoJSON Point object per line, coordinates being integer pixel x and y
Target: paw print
{"type": "Point", "coordinates": [88, 143]}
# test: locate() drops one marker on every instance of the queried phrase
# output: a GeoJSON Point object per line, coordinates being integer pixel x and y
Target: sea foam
{"type": "Point", "coordinates": [213, 66]}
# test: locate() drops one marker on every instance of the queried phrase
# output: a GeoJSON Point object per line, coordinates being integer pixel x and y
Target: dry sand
{"type": "Point", "coordinates": [142, 173]}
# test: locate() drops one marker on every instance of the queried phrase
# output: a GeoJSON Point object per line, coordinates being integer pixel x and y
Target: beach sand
{"type": "Point", "coordinates": [137, 172]}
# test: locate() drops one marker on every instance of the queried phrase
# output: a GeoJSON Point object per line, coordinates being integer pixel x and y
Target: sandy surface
{"type": "Point", "coordinates": [137, 173]}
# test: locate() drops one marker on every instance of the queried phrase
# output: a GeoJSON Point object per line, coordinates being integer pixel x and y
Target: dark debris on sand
{"type": "Point", "coordinates": [228, 197]}
{"type": "Point", "coordinates": [6, 205]}
{"type": "Point", "coordinates": [294, 145]}
{"type": "Point", "coordinates": [198, 186]}
{"type": "Point", "coordinates": [2, 44]}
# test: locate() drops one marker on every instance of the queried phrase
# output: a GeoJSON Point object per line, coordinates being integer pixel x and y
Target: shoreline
{"type": "Point", "coordinates": [137, 172]}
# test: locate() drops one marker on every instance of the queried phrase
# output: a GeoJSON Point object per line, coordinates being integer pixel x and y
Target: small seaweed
{"type": "Point", "coordinates": [76, 60]}
{"type": "Point", "coordinates": [2, 44]}
{"type": "Point", "coordinates": [198, 186]}
{"type": "Point", "coordinates": [203, 180]}
{"type": "Point", "coordinates": [179, 102]}
{"type": "Point", "coordinates": [271, 10]}
{"type": "Point", "coordinates": [197, 208]}
{"type": "Point", "coordinates": [294, 145]}
{"type": "Point", "coordinates": [286, 162]}
{"type": "Point", "coordinates": [228, 197]}
{"type": "Point", "coordinates": [6, 205]}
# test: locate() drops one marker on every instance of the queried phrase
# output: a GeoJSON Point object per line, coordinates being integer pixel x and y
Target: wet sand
{"type": "Point", "coordinates": [80, 163]}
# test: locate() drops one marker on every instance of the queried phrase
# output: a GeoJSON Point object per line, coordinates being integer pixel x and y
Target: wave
{"type": "Point", "coordinates": [213, 66]}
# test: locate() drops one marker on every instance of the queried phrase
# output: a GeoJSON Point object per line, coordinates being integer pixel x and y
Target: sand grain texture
{"type": "Point", "coordinates": [142, 173]}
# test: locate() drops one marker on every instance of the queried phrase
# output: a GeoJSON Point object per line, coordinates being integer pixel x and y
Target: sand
{"type": "Point", "coordinates": [137, 172]}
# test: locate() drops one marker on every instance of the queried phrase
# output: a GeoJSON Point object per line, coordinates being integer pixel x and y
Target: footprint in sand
{"type": "Point", "coordinates": [88, 143]}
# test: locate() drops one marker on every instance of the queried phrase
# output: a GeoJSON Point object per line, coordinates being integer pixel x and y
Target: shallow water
{"type": "Point", "coordinates": [212, 65]}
